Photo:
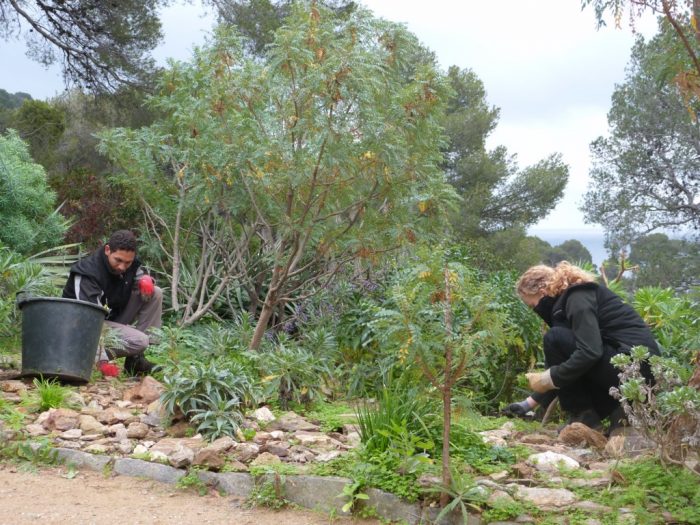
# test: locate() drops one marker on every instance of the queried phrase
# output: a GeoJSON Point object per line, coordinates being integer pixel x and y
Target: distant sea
{"type": "Point", "coordinates": [593, 240]}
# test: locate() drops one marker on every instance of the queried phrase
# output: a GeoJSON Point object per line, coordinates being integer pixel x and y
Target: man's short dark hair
{"type": "Point", "coordinates": [122, 240]}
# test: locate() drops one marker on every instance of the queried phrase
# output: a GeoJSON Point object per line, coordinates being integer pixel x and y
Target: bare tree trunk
{"type": "Point", "coordinates": [447, 393]}
{"type": "Point", "coordinates": [265, 315]}
{"type": "Point", "coordinates": [268, 308]}
{"type": "Point", "coordinates": [177, 261]}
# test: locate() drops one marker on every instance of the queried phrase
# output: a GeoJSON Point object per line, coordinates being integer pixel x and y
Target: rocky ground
{"type": "Point", "coordinates": [125, 420]}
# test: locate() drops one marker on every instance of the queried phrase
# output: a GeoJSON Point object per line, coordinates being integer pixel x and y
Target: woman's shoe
{"type": "Point", "coordinates": [588, 417]}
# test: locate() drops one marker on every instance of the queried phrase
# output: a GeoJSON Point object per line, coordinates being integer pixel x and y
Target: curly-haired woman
{"type": "Point", "coordinates": [589, 324]}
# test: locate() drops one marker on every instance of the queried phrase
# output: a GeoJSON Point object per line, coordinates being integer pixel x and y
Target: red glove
{"type": "Point", "coordinates": [109, 369]}
{"type": "Point", "coordinates": [146, 286]}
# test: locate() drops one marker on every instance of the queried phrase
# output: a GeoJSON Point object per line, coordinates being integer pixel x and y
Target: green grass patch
{"type": "Point", "coordinates": [10, 416]}
{"type": "Point", "coordinates": [647, 487]}
{"type": "Point", "coordinates": [378, 471]}
{"type": "Point", "coordinates": [274, 468]}
{"type": "Point", "coordinates": [332, 416]}
{"type": "Point", "coordinates": [192, 482]}
{"type": "Point", "coordinates": [48, 393]}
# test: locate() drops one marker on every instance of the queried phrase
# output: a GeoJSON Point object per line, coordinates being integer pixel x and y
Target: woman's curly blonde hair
{"type": "Point", "coordinates": [551, 281]}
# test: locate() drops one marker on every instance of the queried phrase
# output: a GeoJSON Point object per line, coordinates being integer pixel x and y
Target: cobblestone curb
{"type": "Point", "coordinates": [312, 492]}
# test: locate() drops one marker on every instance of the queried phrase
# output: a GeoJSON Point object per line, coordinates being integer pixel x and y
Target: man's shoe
{"type": "Point", "coordinates": [138, 365]}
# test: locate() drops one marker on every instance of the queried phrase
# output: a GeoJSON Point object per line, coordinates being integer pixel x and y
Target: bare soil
{"type": "Point", "coordinates": [55, 495]}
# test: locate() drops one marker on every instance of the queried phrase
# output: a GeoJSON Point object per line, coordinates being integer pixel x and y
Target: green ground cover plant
{"type": "Point", "coordinates": [332, 416]}
{"type": "Point", "coordinates": [191, 481]}
{"type": "Point", "coordinates": [30, 454]}
{"type": "Point", "coordinates": [48, 393]}
{"type": "Point", "coordinates": [647, 486]}
{"type": "Point", "coordinates": [10, 416]}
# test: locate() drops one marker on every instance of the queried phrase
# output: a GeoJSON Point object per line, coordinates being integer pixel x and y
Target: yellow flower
{"type": "Point", "coordinates": [424, 275]}
{"type": "Point", "coordinates": [368, 155]}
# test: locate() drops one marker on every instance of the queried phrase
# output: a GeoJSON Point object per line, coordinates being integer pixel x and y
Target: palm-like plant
{"type": "Point", "coordinates": [294, 373]}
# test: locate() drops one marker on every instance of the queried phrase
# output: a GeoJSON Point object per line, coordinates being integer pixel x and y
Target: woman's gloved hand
{"type": "Point", "coordinates": [519, 409]}
{"type": "Point", "coordinates": [541, 381]}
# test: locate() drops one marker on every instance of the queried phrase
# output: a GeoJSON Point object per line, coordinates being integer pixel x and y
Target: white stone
{"type": "Point", "coordinates": [139, 450]}
{"type": "Point", "coordinates": [137, 430]}
{"type": "Point", "coordinates": [263, 415]}
{"type": "Point", "coordinates": [552, 461]}
{"type": "Point", "coordinates": [277, 435]}
{"type": "Point", "coordinates": [353, 439]}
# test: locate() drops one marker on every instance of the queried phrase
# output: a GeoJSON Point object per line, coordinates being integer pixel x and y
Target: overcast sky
{"type": "Point", "coordinates": [542, 62]}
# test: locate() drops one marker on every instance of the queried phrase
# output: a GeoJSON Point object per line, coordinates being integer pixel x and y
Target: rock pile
{"type": "Point", "coordinates": [124, 423]}
{"type": "Point", "coordinates": [127, 420]}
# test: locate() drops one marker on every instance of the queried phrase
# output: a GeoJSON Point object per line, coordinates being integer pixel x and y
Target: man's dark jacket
{"type": "Point", "coordinates": [598, 318]}
{"type": "Point", "coordinates": [91, 280]}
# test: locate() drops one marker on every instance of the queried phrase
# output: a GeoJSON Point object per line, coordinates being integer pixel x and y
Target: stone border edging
{"type": "Point", "coordinates": [312, 492]}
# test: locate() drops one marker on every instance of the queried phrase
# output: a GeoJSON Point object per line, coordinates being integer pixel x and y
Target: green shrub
{"type": "Point", "coordinates": [667, 412]}
{"type": "Point", "coordinates": [673, 319]}
{"type": "Point", "coordinates": [27, 204]}
{"type": "Point", "coordinates": [27, 275]}
{"type": "Point", "coordinates": [212, 394]}
{"type": "Point", "coordinates": [293, 373]}
{"type": "Point", "coordinates": [402, 407]}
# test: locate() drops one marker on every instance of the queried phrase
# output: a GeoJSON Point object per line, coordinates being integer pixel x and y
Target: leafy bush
{"type": "Point", "coordinates": [207, 340]}
{"type": "Point", "coordinates": [667, 412]}
{"type": "Point", "coordinates": [464, 495]}
{"type": "Point", "coordinates": [672, 318]}
{"type": "Point", "coordinates": [402, 407]}
{"type": "Point", "coordinates": [521, 346]}
{"type": "Point", "coordinates": [27, 204]}
{"type": "Point", "coordinates": [294, 373]}
{"type": "Point", "coordinates": [213, 395]}
{"type": "Point", "coordinates": [37, 275]}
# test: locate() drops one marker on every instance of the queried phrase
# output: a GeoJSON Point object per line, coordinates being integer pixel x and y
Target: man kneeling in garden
{"type": "Point", "coordinates": [112, 276]}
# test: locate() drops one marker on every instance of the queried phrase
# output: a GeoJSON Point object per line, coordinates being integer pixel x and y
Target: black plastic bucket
{"type": "Point", "coordinates": [60, 337]}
